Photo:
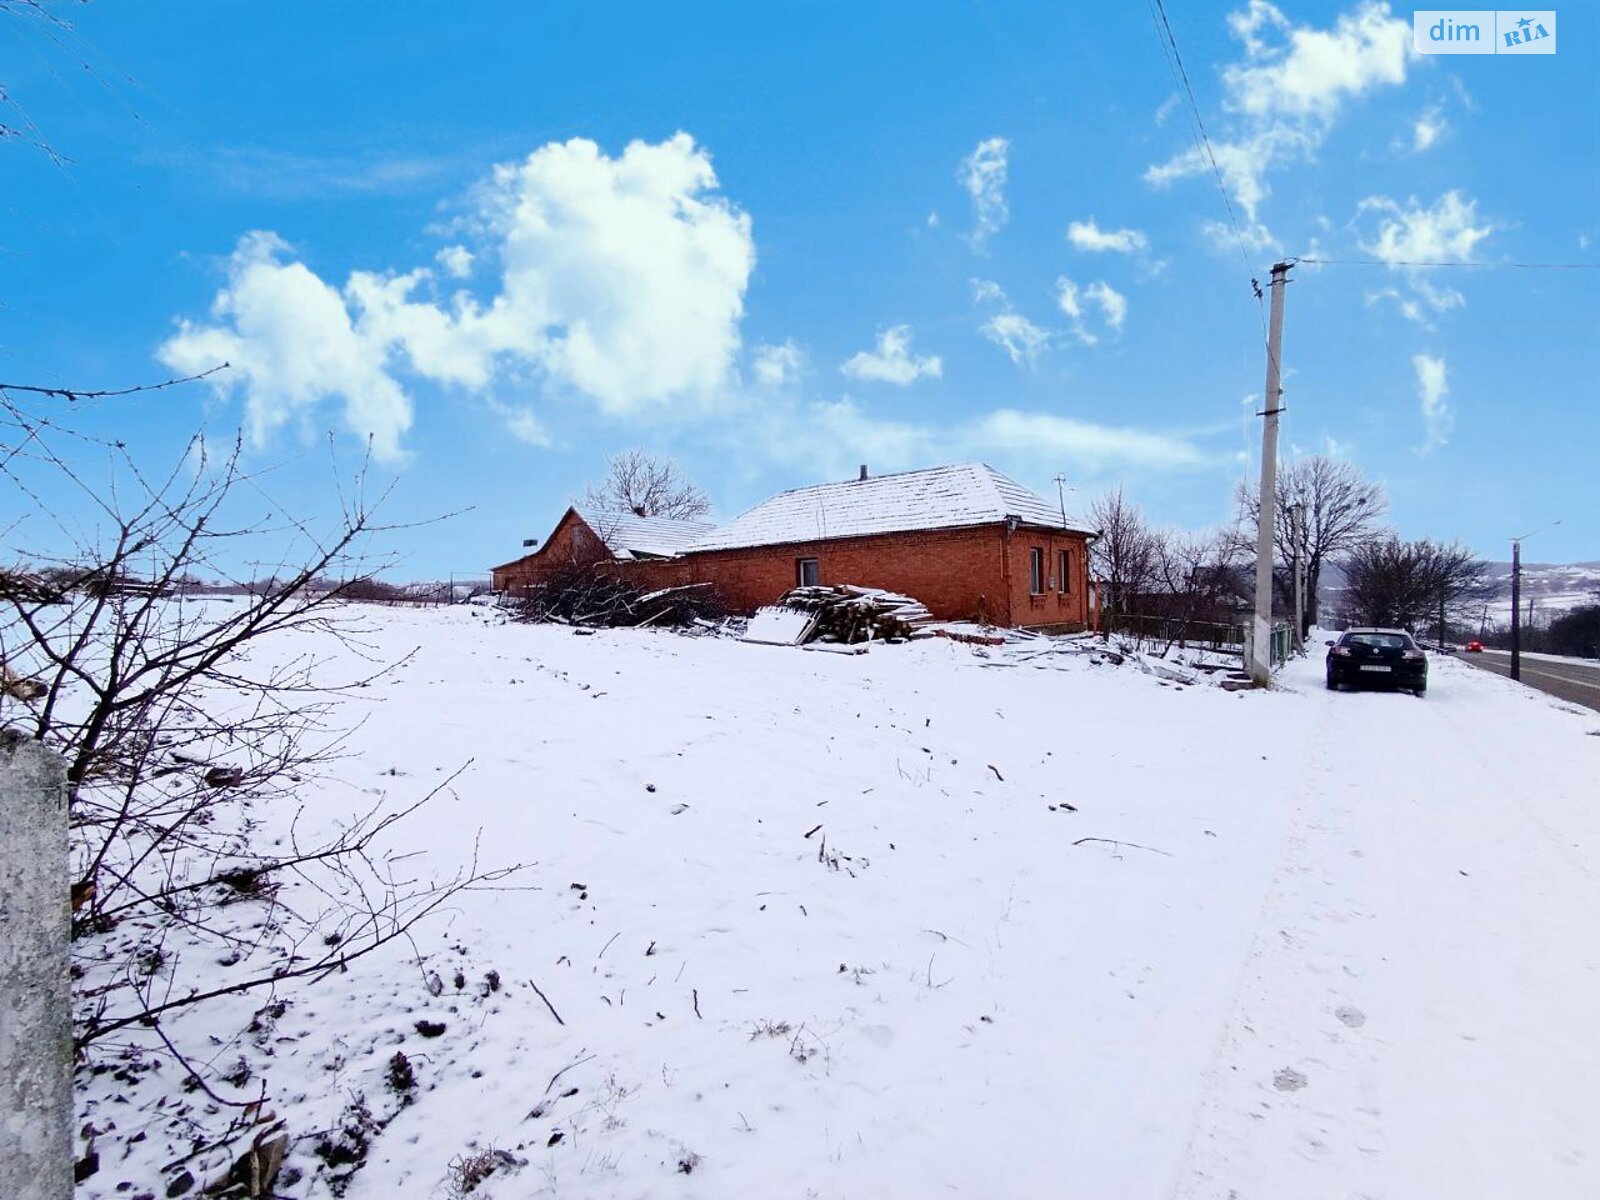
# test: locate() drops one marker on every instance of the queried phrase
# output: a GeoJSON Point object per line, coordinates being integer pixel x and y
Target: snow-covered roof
{"type": "Point", "coordinates": [630, 536]}
{"type": "Point", "coordinates": [938, 498]}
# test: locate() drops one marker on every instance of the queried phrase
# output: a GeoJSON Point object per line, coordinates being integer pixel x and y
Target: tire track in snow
{"type": "Point", "coordinates": [1188, 1176]}
{"type": "Point", "coordinates": [1413, 1018]}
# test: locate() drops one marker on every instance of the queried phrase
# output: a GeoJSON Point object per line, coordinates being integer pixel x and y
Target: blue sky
{"type": "Point", "coordinates": [778, 241]}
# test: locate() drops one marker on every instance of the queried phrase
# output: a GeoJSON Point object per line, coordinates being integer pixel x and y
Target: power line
{"type": "Point", "coordinates": [1202, 140]}
{"type": "Point", "coordinates": [1396, 262]}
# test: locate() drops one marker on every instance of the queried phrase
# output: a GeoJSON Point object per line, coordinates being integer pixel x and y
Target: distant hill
{"type": "Point", "coordinates": [1553, 588]}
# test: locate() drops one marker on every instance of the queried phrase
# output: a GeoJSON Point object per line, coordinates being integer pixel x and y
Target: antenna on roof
{"type": "Point", "coordinates": [862, 477]}
{"type": "Point", "coordinates": [1061, 494]}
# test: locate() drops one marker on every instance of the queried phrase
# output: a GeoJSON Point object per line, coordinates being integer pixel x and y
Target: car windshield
{"type": "Point", "coordinates": [1379, 641]}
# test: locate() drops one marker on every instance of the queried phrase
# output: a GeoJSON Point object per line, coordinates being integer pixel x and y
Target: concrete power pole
{"type": "Point", "coordinates": [1261, 629]}
{"type": "Point", "coordinates": [35, 991]}
{"type": "Point", "coordinates": [1516, 608]}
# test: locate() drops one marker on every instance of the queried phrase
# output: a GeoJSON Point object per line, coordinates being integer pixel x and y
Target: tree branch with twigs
{"type": "Point", "coordinates": [183, 718]}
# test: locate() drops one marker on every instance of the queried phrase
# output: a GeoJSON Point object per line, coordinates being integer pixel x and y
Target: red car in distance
{"type": "Point", "coordinates": [1474, 647]}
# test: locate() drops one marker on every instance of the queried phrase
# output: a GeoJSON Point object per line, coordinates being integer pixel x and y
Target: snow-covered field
{"type": "Point", "coordinates": [912, 924]}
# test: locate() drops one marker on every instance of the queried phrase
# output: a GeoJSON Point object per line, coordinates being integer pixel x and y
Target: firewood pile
{"type": "Point", "coordinates": [850, 614]}
{"type": "Point", "coordinates": [592, 598]}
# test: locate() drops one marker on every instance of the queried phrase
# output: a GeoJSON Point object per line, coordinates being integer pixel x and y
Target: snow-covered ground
{"type": "Point", "coordinates": [912, 924]}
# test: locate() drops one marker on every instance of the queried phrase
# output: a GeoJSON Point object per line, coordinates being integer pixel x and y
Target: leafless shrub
{"type": "Point", "coordinates": [597, 594]}
{"type": "Point", "coordinates": [469, 1172]}
{"type": "Point", "coordinates": [175, 731]}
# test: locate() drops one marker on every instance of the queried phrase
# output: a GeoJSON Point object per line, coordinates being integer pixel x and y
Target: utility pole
{"type": "Point", "coordinates": [1061, 494]}
{"type": "Point", "coordinates": [1261, 641]}
{"type": "Point", "coordinates": [1516, 599]}
{"type": "Point", "coordinates": [1516, 608]}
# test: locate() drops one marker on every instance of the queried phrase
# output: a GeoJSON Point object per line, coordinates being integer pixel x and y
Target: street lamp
{"type": "Point", "coordinates": [1516, 597]}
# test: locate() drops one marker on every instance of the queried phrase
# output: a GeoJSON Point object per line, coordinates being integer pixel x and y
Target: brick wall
{"type": "Point", "coordinates": [1054, 604]}
{"type": "Point", "coordinates": [571, 542]}
{"type": "Point", "coordinates": [959, 574]}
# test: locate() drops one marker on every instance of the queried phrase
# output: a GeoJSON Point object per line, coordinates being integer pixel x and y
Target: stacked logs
{"type": "Point", "coordinates": [850, 614]}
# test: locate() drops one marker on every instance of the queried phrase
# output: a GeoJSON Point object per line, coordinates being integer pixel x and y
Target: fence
{"type": "Point", "coordinates": [1220, 637]}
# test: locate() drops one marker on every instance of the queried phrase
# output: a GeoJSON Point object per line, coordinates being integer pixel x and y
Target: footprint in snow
{"type": "Point", "coordinates": [1351, 1015]}
{"type": "Point", "coordinates": [1288, 1080]}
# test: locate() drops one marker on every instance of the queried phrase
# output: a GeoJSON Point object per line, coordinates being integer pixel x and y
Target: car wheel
{"type": "Point", "coordinates": [1422, 691]}
{"type": "Point", "coordinates": [1332, 686]}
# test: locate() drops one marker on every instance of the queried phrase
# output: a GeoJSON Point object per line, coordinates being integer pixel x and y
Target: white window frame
{"type": "Point", "coordinates": [1036, 579]}
{"type": "Point", "coordinates": [800, 572]}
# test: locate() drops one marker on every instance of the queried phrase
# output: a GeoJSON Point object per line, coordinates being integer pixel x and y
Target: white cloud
{"type": "Point", "coordinates": [1319, 69]}
{"type": "Point", "coordinates": [1016, 335]}
{"type": "Point", "coordinates": [1243, 162]}
{"type": "Point", "coordinates": [987, 291]}
{"type": "Point", "coordinates": [1432, 388]}
{"type": "Point", "coordinates": [832, 437]}
{"type": "Point", "coordinates": [1447, 231]}
{"type": "Point", "coordinates": [1087, 235]}
{"type": "Point", "coordinates": [1427, 129]}
{"type": "Point", "coordinates": [1113, 304]}
{"type": "Point", "coordinates": [777, 366]}
{"type": "Point", "coordinates": [1074, 301]}
{"type": "Point", "coordinates": [292, 345]}
{"type": "Point", "coordinates": [1046, 435]}
{"type": "Point", "coordinates": [1069, 298]}
{"type": "Point", "coordinates": [622, 279]}
{"type": "Point", "coordinates": [983, 174]}
{"type": "Point", "coordinates": [829, 438]}
{"type": "Point", "coordinates": [1410, 308]}
{"type": "Point", "coordinates": [1019, 337]}
{"type": "Point", "coordinates": [1407, 234]}
{"type": "Point", "coordinates": [1254, 236]}
{"type": "Point", "coordinates": [522, 423]}
{"type": "Point", "coordinates": [892, 360]}
{"type": "Point", "coordinates": [456, 261]}
{"type": "Point", "coordinates": [1289, 90]}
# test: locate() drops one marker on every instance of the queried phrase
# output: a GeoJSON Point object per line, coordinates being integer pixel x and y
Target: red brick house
{"type": "Point", "coordinates": [965, 540]}
{"type": "Point", "coordinates": [583, 537]}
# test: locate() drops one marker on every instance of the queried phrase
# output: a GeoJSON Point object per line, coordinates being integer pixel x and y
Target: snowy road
{"type": "Point", "coordinates": [916, 924]}
{"type": "Point", "coordinates": [1412, 1020]}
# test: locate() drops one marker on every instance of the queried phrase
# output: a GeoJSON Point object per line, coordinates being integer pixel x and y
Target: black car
{"type": "Point", "coordinates": [1377, 658]}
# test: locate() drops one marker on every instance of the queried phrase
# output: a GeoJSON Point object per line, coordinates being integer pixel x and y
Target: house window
{"type": "Point", "coordinates": [1064, 571]}
{"type": "Point", "coordinates": [1036, 571]}
{"type": "Point", "coordinates": [806, 573]}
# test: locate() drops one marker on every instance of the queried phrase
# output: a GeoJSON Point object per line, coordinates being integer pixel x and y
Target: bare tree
{"type": "Point", "coordinates": [179, 726]}
{"type": "Point", "coordinates": [1195, 573]}
{"type": "Point", "coordinates": [1343, 510]}
{"type": "Point", "coordinates": [646, 485]}
{"type": "Point", "coordinates": [1407, 585]}
{"type": "Point", "coordinates": [1124, 553]}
